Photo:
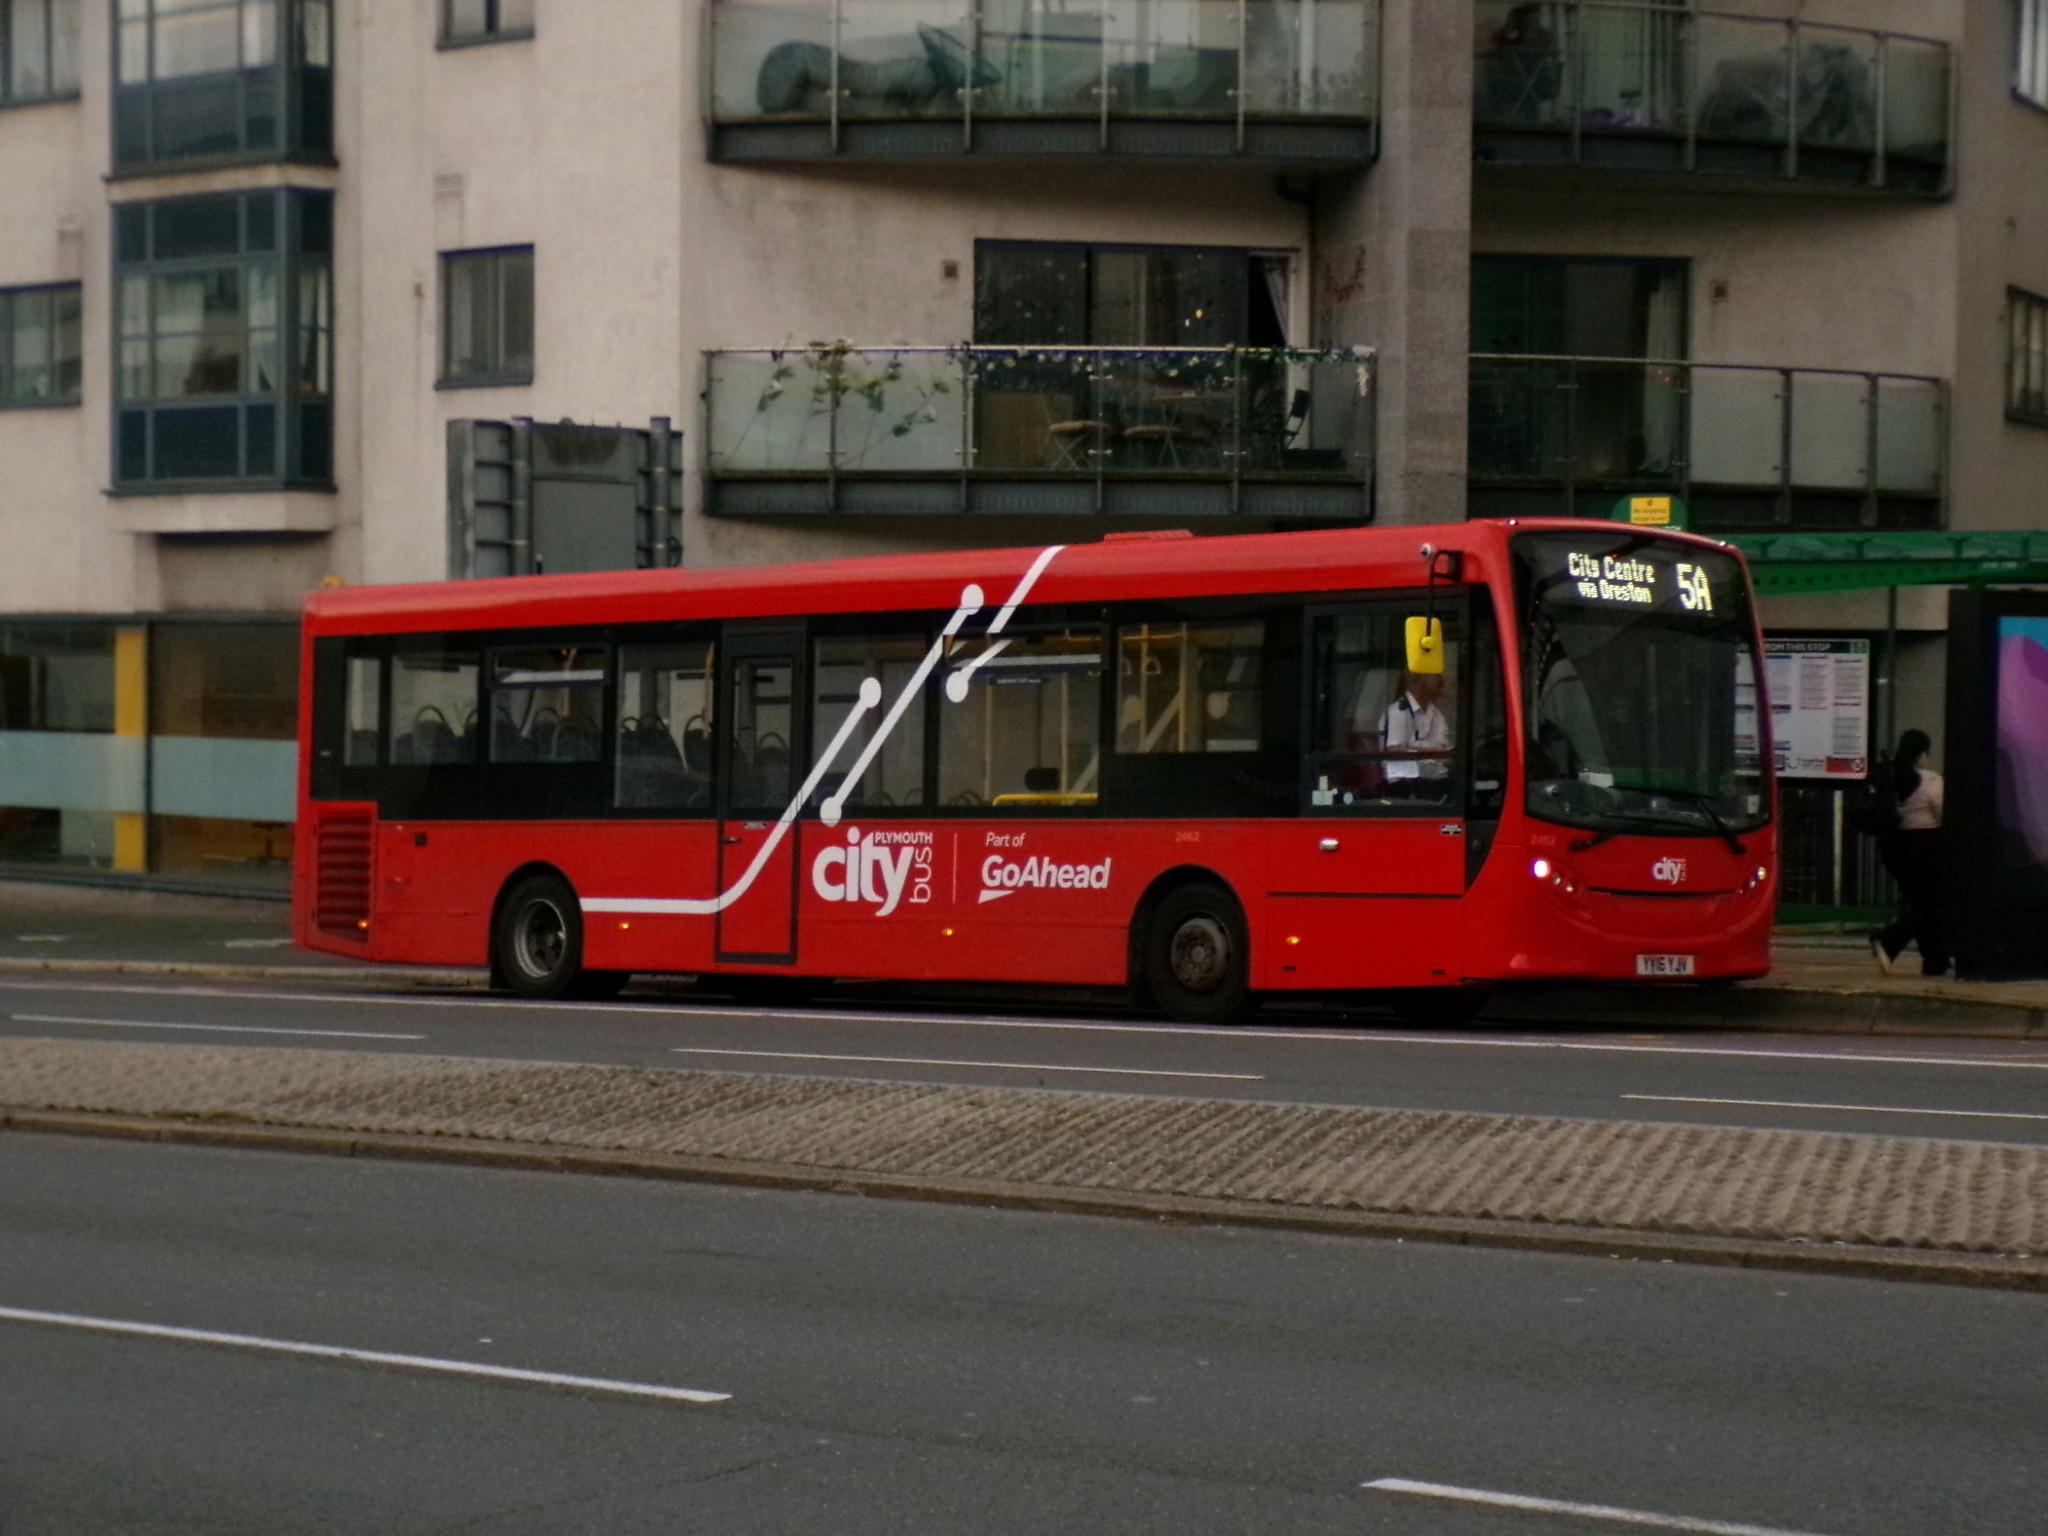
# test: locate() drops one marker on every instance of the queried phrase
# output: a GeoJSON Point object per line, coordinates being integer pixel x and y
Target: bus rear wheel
{"type": "Point", "coordinates": [1198, 956]}
{"type": "Point", "coordinates": [537, 946]}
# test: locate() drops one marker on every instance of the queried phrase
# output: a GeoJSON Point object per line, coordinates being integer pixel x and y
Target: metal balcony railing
{"type": "Point", "coordinates": [1765, 446]}
{"type": "Point", "coordinates": [846, 65]}
{"type": "Point", "coordinates": [1043, 416]}
{"type": "Point", "coordinates": [1666, 87]}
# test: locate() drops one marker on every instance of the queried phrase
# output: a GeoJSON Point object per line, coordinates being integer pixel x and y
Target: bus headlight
{"type": "Point", "coordinates": [1540, 869]}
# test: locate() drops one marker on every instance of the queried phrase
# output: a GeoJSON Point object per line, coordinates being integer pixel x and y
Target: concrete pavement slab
{"type": "Point", "coordinates": [1972, 1211]}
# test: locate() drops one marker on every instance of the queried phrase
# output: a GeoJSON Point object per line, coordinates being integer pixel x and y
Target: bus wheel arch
{"type": "Point", "coordinates": [536, 939]}
{"type": "Point", "coordinates": [1190, 948]}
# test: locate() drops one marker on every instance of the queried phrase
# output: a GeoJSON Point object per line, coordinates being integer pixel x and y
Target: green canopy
{"type": "Point", "coordinates": [1786, 563]}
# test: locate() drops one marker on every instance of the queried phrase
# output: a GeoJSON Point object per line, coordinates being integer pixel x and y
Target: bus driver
{"type": "Point", "coordinates": [1417, 738]}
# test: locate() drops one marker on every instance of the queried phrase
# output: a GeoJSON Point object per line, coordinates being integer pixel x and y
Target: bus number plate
{"type": "Point", "coordinates": [1663, 965]}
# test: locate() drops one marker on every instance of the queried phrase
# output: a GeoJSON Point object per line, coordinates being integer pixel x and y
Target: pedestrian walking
{"type": "Point", "coordinates": [1910, 846]}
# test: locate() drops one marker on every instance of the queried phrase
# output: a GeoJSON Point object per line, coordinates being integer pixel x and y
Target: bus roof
{"type": "Point", "coordinates": [1119, 567]}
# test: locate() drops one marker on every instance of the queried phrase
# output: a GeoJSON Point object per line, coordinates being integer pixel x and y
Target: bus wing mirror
{"type": "Point", "coordinates": [1425, 645]}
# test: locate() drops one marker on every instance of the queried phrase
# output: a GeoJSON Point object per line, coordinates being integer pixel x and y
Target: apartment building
{"type": "Point", "coordinates": [307, 291]}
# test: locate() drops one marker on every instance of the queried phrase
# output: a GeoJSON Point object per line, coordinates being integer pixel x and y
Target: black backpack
{"type": "Point", "coordinates": [1873, 807]}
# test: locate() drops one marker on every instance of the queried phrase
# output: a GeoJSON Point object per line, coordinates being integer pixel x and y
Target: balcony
{"type": "Point", "coordinates": [1666, 90]}
{"type": "Point", "coordinates": [1747, 449]}
{"type": "Point", "coordinates": [1270, 81]}
{"type": "Point", "coordinates": [1180, 432]}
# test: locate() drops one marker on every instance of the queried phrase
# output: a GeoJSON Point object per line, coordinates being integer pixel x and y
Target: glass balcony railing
{"type": "Point", "coordinates": [980, 416]}
{"type": "Point", "coordinates": [829, 72]}
{"type": "Point", "coordinates": [1665, 87]}
{"type": "Point", "coordinates": [1747, 447]}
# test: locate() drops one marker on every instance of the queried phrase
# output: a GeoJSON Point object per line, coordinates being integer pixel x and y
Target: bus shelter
{"type": "Point", "coordinates": [1953, 690]}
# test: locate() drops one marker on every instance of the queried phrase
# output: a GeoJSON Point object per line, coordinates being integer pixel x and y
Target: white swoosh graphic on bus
{"type": "Point", "coordinates": [972, 601]}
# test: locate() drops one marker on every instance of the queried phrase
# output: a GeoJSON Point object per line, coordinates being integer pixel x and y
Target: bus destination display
{"type": "Point", "coordinates": [1643, 579]}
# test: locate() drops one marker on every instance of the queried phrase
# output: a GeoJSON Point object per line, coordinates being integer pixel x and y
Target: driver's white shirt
{"type": "Point", "coordinates": [1413, 727]}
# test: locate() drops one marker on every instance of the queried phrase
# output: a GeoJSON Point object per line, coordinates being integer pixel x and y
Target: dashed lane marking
{"type": "Point", "coordinates": [1603, 1512]}
{"type": "Point", "coordinates": [423, 1364]}
{"type": "Point", "coordinates": [230, 1029]}
{"type": "Point", "coordinates": [933, 1061]}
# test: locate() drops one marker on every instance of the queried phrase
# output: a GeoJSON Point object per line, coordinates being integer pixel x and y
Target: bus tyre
{"type": "Point", "coordinates": [537, 950]}
{"type": "Point", "coordinates": [1198, 956]}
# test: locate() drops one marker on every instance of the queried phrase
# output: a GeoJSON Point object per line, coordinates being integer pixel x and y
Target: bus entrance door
{"type": "Point", "coordinates": [760, 775]}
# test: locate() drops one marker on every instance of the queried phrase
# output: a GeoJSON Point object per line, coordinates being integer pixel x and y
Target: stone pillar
{"type": "Point", "coordinates": [1393, 259]}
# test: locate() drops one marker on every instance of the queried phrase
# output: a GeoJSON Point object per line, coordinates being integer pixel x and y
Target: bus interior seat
{"type": "Point", "coordinates": [1041, 781]}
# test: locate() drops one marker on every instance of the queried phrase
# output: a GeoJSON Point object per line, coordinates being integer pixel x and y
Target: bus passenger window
{"type": "Point", "coordinates": [664, 730]}
{"type": "Point", "coordinates": [547, 706]}
{"type": "Point", "coordinates": [1381, 735]}
{"type": "Point", "coordinates": [1188, 687]}
{"type": "Point", "coordinates": [361, 710]}
{"type": "Point", "coordinates": [1019, 720]}
{"type": "Point", "coordinates": [433, 707]}
{"type": "Point", "coordinates": [895, 774]}
{"type": "Point", "coordinates": [759, 720]}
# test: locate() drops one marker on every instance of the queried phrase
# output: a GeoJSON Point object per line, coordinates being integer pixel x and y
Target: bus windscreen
{"type": "Point", "coordinates": [1640, 686]}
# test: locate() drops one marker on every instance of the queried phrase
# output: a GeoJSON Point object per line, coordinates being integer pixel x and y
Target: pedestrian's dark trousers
{"type": "Point", "coordinates": [1914, 859]}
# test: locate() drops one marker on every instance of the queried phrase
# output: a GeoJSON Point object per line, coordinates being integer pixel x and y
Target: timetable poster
{"type": "Point", "coordinates": [1820, 707]}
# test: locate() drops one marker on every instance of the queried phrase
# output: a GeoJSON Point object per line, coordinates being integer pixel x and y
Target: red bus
{"type": "Point", "coordinates": [1420, 762]}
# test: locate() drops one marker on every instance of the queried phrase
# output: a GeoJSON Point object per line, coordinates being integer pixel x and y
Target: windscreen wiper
{"type": "Point", "coordinates": [1703, 803]}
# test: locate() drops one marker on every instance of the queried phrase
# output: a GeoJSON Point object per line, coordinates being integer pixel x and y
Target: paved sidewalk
{"type": "Point", "coordinates": [1819, 983]}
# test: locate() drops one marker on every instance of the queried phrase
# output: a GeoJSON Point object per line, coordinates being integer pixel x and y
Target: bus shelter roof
{"type": "Point", "coordinates": [1782, 564]}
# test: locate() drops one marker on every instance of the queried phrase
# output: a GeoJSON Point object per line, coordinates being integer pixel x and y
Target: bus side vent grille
{"type": "Point", "coordinates": [341, 894]}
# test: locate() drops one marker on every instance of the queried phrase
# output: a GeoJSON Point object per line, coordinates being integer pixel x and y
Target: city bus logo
{"type": "Point", "coordinates": [1002, 877]}
{"type": "Point", "coordinates": [883, 869]}
{"type": "Point", "coordinates": [1670, 871]}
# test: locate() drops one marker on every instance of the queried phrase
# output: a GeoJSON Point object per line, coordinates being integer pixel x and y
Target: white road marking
{"type": "Point", "coordinates": [425, 1364]}
{"type": "Point", "coordinates": [231, 1029]}
{"type": "Point", "coordinates": [932, 1061]}
{"type": "Point", "coordinates": [1581, 1511]}
{"type": "Point", "coordinates": [1854, 1109]}
{"type": "Point", "coordinates": [1329, 1034]}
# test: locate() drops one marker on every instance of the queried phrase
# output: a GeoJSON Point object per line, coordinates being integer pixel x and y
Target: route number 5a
{"type": "Point", "coordinates": [1693, 589]}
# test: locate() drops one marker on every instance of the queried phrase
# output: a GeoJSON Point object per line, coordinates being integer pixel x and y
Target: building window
{"type": "Point", "coordinates": [2026, 377]}
{"type": "Point", "coordinates": [38, 50]}
{"type": "Point", "coordinates": [1041, 294]}
{"type": "Point", "coordinates": [487, 316]}
{"type": "Point", "coordinates": [39, 357]}
{"type": "Point", "coordinates": [2030, 70]}
{"type": "Point", "coordinates": [223, 80]}
{"type": "Point", "coordinates": [485, 21]}
{"type": "Point", "coordinates": [225, 339]}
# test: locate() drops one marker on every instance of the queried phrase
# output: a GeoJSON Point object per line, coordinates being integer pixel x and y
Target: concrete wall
{"type": "Point", "coordinates": [62, 550]}
{"type": "Point", "coordinates": [1392, 260]}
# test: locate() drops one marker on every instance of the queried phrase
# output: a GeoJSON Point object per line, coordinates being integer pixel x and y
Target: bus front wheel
{"type": "Point", "coordinates": [537, 949]}
{"type": "Point", "coordinates": [1198, 956]}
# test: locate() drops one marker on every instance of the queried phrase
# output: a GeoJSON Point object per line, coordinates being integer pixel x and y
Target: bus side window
{"type": "Point", "coordinates": [840, 665]}
{"type": "Point", "coordinates": [1381, 736]}
{"type": "Point", "coordinates": [547, 705]}
{"type": "Point", "coordinates": [1486, 701]}
{"type": "Point", "coordinates": [434, 707]}
{"type": "Point", "coordinates": [664, 727]}
{"type": "Point", "coordinates": [1020, 720]}
{"type": "Point", "coordinates": [362, 712]}
{"type": "Point", "coordinates": [1189, 688]}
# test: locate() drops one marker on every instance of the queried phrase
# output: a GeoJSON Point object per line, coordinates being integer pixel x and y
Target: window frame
{"type": "Point", "coordinates": [1460, 801]}
{"type": "Point", "coordinates": [499, 376]}
{"type": "Point", "coordinates": [54, 88]}
{"type": "Point", "coordinates": [493, 30]}
{"type": "Point", "coordinates": [55, 360]}
{"type": "Point", "coordinates": [2030, 54]}
{"type": "Point", "coordinates": [2026, 356]}
{"type": "Point", "coordinates": [298, 225]}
